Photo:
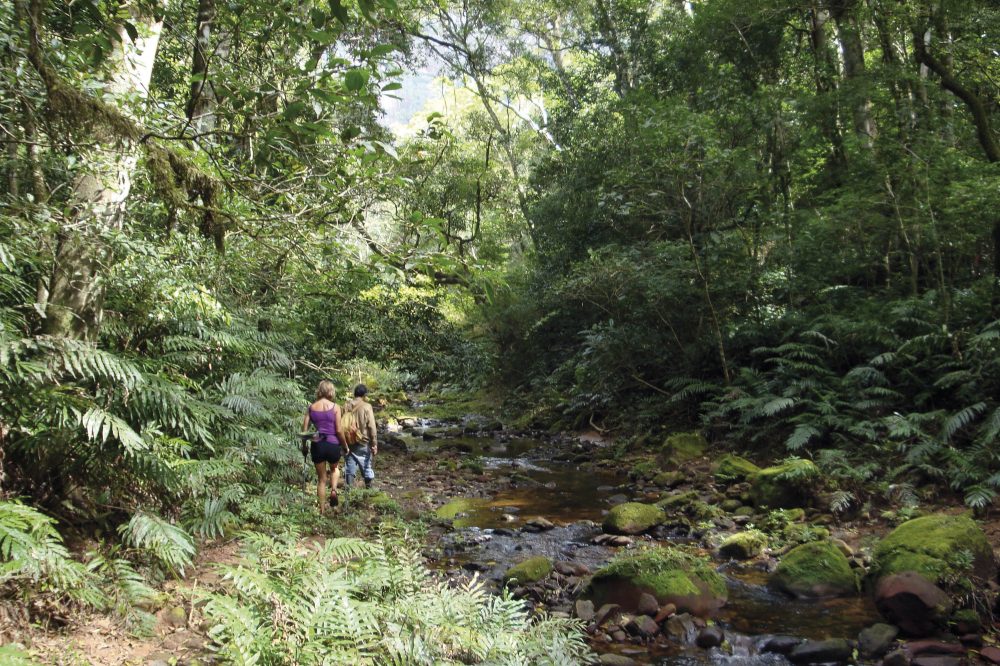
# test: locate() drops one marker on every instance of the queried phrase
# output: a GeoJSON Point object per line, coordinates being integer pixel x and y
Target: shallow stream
{"type": "Point", "coordinates": [490, 536]}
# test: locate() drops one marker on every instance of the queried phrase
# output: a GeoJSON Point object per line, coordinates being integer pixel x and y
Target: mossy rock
{"type": "Point", "coordinates": [678, 501]}
{"type": "Point", "coordinates": [633, 518]}
{"type": "Point", "coordinates": [784, 486]}
{"type": "Point", "coordinates": [943, 549]}
{"type": "Point", "coordinates": [531, 570]}
{"type": "Point", "coordinates": [744, 511]}
{"type": "Point", "coordinates": [816, 569]}
{"type": "Point", "coordinates": [731, 468]}
{"type": "Point", "coordinates": [669, 479]}
{"type": "Point", "coordinates": [684, 446]}
{"type": "Point", "coordinates": [804, 533]}
{"type": "Point", "coordinates": [670, 574]}
{"type": "Point", "coordinates": [730, 505]}
{"type": "Point", "coordinates": [643, 470]}
{"type": "Point", "coordinates": [743, 545]}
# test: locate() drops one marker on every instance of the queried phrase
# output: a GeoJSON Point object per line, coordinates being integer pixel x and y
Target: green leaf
{"type": "Point", "coordinates": [339, 11]}
{"type": "Point", "coordinates": [356, 79]}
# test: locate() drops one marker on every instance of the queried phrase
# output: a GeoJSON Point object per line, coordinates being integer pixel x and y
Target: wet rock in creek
{"type": "Point", "coordinates": [896, 658]}
{"type": "Point", "coordinates": [529, 571]}
{"type": "Point", "coordinates": [935, 660]}
{"type": "Point", "coordinates": [991, 654]}
{"type": "Point", "coordinates": [912, 603]}
{"type": "Point", "coordinates": [919, 648]}
{"type": "Point", "coordinates": [538, 525]}
{"type": "Point", "coordinates": [648, 605]}
{"type": "Point", "coordinates": [710, 637]}
{"type": "Point", "coordinates": [616, 660]}
{"type": "Point", "coordinates": [780, 644]}
{"type": "Point", "coordinates": [633, 518]}
{"type": "Point", "coordinates": [606, 613]}
{"type": "Point", "coordinates": [836, 650]}
{"type": "Point", "coordinates": [585, 610]}
{"type": "Point", "coordinates": [875, 640]}
{"type": "Point", "coordinates": [816, 569]}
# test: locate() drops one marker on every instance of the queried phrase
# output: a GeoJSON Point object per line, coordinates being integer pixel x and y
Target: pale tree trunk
{"type": "Point", "coordinates": [99, 192]}
{"type": "Point", "coordinates": [853, 50]}
{"type": "Point", "coordinates": [204, 101]}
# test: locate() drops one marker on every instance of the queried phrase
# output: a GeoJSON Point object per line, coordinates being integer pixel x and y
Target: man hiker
{"type": "Point", "coordinates": [367, 444]}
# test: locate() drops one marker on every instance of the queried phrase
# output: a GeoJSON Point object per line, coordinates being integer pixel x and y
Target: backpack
{"type": "Point", "coordinates": [349, 424]}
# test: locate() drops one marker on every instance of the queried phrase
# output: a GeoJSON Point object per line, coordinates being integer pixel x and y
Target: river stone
{"type": "Point", "coordinates": [530, 570]}
{"type": "Point", "coordinates": [607, 612]}
{"type": "Point", "coordinates": [670, 574]}
{"type": "Point", "coordinates": [616, 540]}
{"type": "Point", "coordinates": [743, 545]}
{"type": "Point", "coordinates": [936, 660]}
{"type": "Point", "coordinates": [538, 524]}
{"type": "Point", "coordinates": [931, 546]}
{"type": "Point", "coordinates": [681, 629]}
{"type": "Point", "coordinates": [780, 644]}
{"type": "Point", "coordinates": [784, 486]}
{"type": "Point", "coordinates": [648, 605]}
{"type": "Point", "coordinates": [916, 648]}
{"type": "Point", "coordinates": [710, 637]}
{"type": "Point", "coordinates": [816, 569]}
{"type": "Point", "coordinates": [648, 626]}
{"type": "Point", "coordinates": [730, 505]}
{"type": "Point", "coordinates": [683, 447]}
{"type": "Point", "coordinates": [835, 650]}
{"type": "Point", "coordinates": [731, 468]}
{"type": "Point", "coordinates": [585, 610]}
{"type": "Point", "coordinates": [609, 659]}
{"type": "Point", "coordinates": [912, 603]}
{"type": "Point", "coordinates": [632, 518]}
{"type": "Point", "coordinates": [619, 636]}
{"type": "Point", "coordinates": [669, 479]}
{"type": "Point", "coordinates": [991, 654]}
{"type": "Point", "coordinates": [896, 658]}
{"type": "Point", "coordinates": [667, 610]}
{"type": "Point", "coordinates": [874, 641]}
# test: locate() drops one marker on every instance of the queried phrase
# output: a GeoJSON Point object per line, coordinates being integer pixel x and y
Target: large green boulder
{"type": "Point", "coordinates": [668, 573]}
{"type": "Point", "coordinates": [633, 518]}
{"type": "Point", "coordinates": [734, 468]}
{"type": "Point", "coordinates": [683, 447]}
{"type": "Point", "coordinates": [817, 569]}
{"type": "Point", "coordinates": [786, 485]}
{"type": "Point", "coordinates": [942, 548]}
{"type": "Point", "coordinates": [530, 570]}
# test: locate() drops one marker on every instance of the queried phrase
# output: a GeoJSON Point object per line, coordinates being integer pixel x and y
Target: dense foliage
{"type": "Point", "coordinates": [771, 219]}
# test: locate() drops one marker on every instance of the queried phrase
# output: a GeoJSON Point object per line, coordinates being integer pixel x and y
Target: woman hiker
{"type": "Point", "coordinates": [326, 447]}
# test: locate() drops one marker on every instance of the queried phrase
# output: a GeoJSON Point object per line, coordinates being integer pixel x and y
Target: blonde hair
{"type": "Point", "coordinates": [326, 390]}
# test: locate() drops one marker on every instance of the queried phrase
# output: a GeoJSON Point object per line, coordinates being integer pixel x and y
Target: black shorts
{"type": "Point", "coordinates": [325, 452]}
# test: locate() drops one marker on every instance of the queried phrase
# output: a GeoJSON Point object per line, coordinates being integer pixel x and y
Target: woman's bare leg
{"type": "Point", "coordinates": [334, 477]}
{"type": "Point", "coordinates": [321, 485]}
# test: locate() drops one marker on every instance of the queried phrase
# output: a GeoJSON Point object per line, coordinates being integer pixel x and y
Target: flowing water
{"type": "Point", "coordinates": [488, 539]}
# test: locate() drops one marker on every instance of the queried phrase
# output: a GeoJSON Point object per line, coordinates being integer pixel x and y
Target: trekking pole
{"type": "Point", "coordinates": [304, 438]}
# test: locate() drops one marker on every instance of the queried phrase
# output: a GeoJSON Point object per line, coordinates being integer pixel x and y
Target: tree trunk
{"type": "Point", "coordinates": [97, 198]}
{"type": "Point", "coordinates": [824, 70]}
{"type": "Point", "coordinates": [853, 49]}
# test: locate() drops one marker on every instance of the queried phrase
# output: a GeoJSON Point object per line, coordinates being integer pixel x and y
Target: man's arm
{"type": "Point", "coordinates": [370, 426]}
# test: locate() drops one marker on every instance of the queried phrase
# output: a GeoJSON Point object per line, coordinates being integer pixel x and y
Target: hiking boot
{"type": "Point", "coordinates": [368, 483]}
{"type": "Point", "coordinates": [334, 500]}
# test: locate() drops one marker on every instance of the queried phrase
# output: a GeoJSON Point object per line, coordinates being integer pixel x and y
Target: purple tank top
{"type": "Point", "coordinates": [326, 425]}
